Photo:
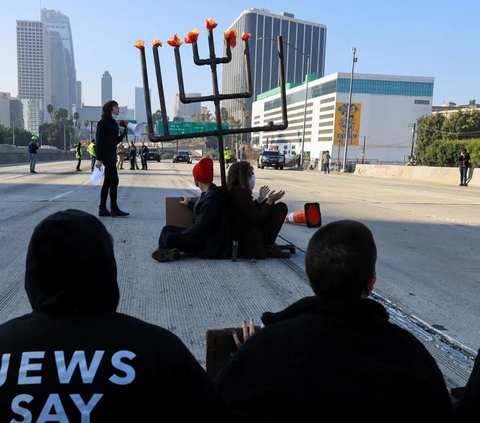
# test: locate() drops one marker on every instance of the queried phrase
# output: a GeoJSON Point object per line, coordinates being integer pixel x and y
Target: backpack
{"type": "Point", "coordinates": [30, 150]}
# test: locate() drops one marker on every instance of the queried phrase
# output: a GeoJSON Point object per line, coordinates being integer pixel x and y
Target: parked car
{"type": "Point", "coordinates": [182, 156]}
{"type": "Point", "coordinates": [271, 158]}
{"type": "Point", "coordinates": [154, 155]}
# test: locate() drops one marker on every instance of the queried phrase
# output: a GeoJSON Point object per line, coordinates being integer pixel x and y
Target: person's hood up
{"type": "Point", "coordinates": [71, 265]}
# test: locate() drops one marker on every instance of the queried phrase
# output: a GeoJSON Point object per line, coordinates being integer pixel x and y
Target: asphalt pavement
{"type": "Point", "coordinates": [427, 240]}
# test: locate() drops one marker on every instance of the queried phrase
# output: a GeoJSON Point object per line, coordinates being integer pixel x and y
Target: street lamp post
{"type": "Point", "coordinates": [354, 50]}
{"type": "Point", "coordinates": [306, 91]}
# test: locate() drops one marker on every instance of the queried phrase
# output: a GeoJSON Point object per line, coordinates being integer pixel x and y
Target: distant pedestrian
{"type": "Point", "coordinates": [228, 156]}
{"type": "Point", "coordinates": [120, 155]}
{"type": "Point", "coordinates": [144, 156]}
{"type": "Point", "coordinates": [32, 150]}
{"type": "Point", "coordinates": [326, 162]}
{"type": "Point", "coordinates": [132, 155]}
{"type": "Point", "coordinates": [93, 155]}
{"type": "Point", "coordinates": [78, 155]}
{"type": "Point", "coordinates": [463, 165]}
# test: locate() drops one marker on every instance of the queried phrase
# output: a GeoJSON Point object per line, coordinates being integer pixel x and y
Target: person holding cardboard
{"type": "Point", "coordinates": [209, 235]}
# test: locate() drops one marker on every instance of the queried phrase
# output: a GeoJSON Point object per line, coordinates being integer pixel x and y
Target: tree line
{"type": "Point", "coordinates": [440, 138]}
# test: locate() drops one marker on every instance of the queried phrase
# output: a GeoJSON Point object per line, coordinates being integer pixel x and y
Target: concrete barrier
{"type": "Point", "coordinates": [19, 154]}
{"type": "Point", "coordinates": [438, 175]}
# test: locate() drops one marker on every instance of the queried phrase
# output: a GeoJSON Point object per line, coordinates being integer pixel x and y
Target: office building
{"type": "Point", "coordinates": [34, 71]}
{"type": "Point", "coordinates": [5, 109]}
{"type": "Point", "coordinates": [307, 37]}
{"type": "Point", "coordinates": [16, 113]}
{"type": "Point", "coordinates": [94, 113]}
{"type": "Point", "coordinates": [449, 107]}
{"type": "Point", "coordinates": [382, 108]}
{"type": "Point", "coordinates": [107, 89]}
{"type": "Point", "coordinates": [186, 110]}
{"type": "Point", "coordinates": [56, 22]}
{"type": "Point", "coordinates": [58, 63]}
{"type": "Point", "coordinates": [79, 94]}
{"type": "Point", "coordinates": [140, 109]}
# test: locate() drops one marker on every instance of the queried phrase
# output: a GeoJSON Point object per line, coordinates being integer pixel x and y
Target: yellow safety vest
{"type": "Point", "coordinates": [91, 149]}
{"type": "Point", "coordinates": [228, 154]}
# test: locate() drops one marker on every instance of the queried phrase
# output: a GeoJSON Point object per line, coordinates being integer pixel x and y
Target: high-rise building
{"type": "Point", "coordinates": [185, 110]}
{"type": "Point", "coordinates": [56, 22]}
{"type": "Point", "coordinates": [107, 90]}
{"type": "Point", "coordinates": [16, 113]}
{"type": "Point", "coordinates": [58, 64]}
{"type": "Point", "coordinates": [307, 37]}
{"type": "Point", "coordinates": [140, 110]}
{"type": "Point", "coordinates": [5, 109]}
{"type": "Point", "coordinates": [79, 94]}
{"type": "Point", "coordinates": [34, 71]}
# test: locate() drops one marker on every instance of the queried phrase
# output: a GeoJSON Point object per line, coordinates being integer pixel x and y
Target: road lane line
{"type": "Point", "coordinates": [57, 197]}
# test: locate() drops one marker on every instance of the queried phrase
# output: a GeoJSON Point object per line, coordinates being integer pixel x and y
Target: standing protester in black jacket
{"type": "Point", "coordinates": [144, 156]}
{"type": "Point", "coordinates": [335, 357]}
{"type": "Point", "coordinates": [76, 358]}
{"type": "Point", "coordinates": [209, 236]}
{"type": "Point", "coordinates": [106, 150]}
{"type": "Point", "coordinates": [463, 165]}
{"type": "Point", "coordinates": [132, 155]}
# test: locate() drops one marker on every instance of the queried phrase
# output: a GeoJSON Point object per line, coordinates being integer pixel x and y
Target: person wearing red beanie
{"type": "Point", "coordinates": [209, 236]}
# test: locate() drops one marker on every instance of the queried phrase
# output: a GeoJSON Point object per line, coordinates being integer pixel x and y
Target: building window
{"type": "Point", "coordinates": [366, 86]}
{"type": "Point", "coordinates": [425, 102]}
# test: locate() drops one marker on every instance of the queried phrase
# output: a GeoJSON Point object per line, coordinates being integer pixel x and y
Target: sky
{"type": "Point", "coordinates": [417, 38]}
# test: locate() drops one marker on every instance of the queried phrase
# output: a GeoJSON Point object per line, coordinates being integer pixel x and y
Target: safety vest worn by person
{"type": "Point", "coordinates": [78, 152]}
{"type": "Point", "coordinates": [228, 154]}
{"type": "Point", "coordinates": [91, 149]}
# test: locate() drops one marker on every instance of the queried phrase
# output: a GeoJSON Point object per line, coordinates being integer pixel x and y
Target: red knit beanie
{"type": "Point", "coordinates": [203, 171]}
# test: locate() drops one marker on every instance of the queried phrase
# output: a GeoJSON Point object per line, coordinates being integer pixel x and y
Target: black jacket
{"type": "Point", "coordinates": [75, 349]}
{"type": "Point", "coordinates": [145, 150]}
{"type": "Point", "coordinates": [132, 152]}
{"type": "Point", "coordinates": [333, 360]}
{"type": "Point", "coordinates": [211, 224]}
{"type": "Point", "coordinates": [464, 161]}
{"type": "Point", "coordinates": [107, 140]}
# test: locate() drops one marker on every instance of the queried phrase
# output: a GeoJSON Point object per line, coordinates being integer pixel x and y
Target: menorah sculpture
{"type": "Point", "coordinates": [216, 98]}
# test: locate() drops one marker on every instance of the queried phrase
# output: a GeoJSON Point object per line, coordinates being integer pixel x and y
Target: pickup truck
{"type": "Point", "coordinates": [270, 158]}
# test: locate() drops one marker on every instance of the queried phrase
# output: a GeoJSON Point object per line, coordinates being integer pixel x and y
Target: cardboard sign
{"type": "Point", "coordinates": [177, 214]}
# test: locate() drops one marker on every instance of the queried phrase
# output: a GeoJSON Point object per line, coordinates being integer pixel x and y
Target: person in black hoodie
{"type": "Point", "coordinates": [144, 156]}
{"type": "Point", "coordinates": [335, 357]}
{"type": "Point", "coordinates": [106, 150]}
{"type": "Point", "coordinates": [74, 358]}
{"type": "Point", "coordinates": [209, 236]}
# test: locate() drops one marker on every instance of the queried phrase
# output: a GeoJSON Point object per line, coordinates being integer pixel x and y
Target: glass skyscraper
{"type": "Point", "coordinates": [307, 37]}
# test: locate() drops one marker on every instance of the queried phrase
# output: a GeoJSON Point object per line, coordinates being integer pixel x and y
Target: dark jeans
{"type": "Point", "coordinates": [172, 237]}
{"type": "Point", "coordinates": [463, 175]}
{"type": "Point", "coordinates": [327, 167]}
{"type": "Point", "coordinates": [78, 164]}
{"type": "Point", "coordinates": [144, 162]}
{"type": "Point", "coordinates": [33, 161]}
{"type": "Point", "coordinates": [272, 226]}
{"type": "Point", "coordinates": [92, 161]}
{"type": "Point", "coordinates": [110, 184]}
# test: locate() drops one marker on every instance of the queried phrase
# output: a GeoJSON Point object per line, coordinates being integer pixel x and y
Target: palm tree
{"type": "Point", "coordinates": [50, 110]}
{"type": "Point", "coordinates": [76, 116]}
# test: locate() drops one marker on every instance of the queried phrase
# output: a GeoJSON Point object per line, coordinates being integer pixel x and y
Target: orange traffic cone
{"type": "Point", "coordinates": [310, 215]}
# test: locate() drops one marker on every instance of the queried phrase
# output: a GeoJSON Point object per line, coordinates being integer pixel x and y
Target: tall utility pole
{"type": "Point", "coordinates": [354, 50]}
{"type": "Point", "coordinates": [413, 138]}
{"type": "Point", "coordinates": [65, 137]}
{"type": "Point", "coordinates": [363, 151]}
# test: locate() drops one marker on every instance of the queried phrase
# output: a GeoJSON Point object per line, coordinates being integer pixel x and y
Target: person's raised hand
{"type": "Point", "coordinates": [185, 200]}
{"type": "Point", "coordinates": [275, 196]}
{"type": "Point", "coordinates": [262, 193]}
{"type": "Point", "coordinates": [248, 332]}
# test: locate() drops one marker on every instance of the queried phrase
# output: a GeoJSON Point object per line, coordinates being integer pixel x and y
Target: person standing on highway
{"type": "Point", "coordinates": [228, 156]}
{"type": "Point", "coordinates": [106, 149]}
{"type": "Point", "coordinates": [132, 155]}
{"type": "Point", "coordinates": [93, 157]}
{"type": "Point", "coordinates": [144, 153]}
{"type": "Point", "coordinates": [120, 155]}
{"type": "Point", "coordinates": [326, 162]}
{"type": "Point", "coordinates": [78, 155]}
{"type": "Point", "coordinates": [76, 358]}
{"type": "Point", "coordinates": [463, 165]}
{"type": "Point", "coordinates": [32, 150]}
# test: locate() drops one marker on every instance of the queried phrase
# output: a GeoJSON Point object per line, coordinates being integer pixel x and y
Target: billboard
{"type": "Point", "coordinates": [341, 123]}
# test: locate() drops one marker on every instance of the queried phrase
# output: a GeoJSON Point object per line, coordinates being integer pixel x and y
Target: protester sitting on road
{"type": "Point", "coordinates": [335, 357]}
{"type": "Point", "coordinates": [255, 223]}
{"type": "Point", "coordinates": [208, 237]}
{"type": "Point", "coordinates": [75, 358]}
{"type": "Point", "coordinates": [467, 405]}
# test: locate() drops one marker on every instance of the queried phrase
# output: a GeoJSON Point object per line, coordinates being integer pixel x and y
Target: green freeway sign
{"type": "Point", "coordinates": [177, 128]}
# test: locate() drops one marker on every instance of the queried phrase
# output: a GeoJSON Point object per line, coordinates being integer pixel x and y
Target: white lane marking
{"type": "Point", "coordinates": [12, 177]}
{"type": "Point", "coordinates": [57, 197]}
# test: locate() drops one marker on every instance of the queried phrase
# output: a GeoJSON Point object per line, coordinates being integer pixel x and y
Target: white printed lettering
{"type": "Point", "coordinates": [25, 367]}
{"type": "Point", "coordinates": [27, 416]}
{"type": "Point", "coordinates": [85, 409]}
{"type": "Point", "coordinates": [78, 359]}
{"type": "Point", "coordinates": [118, 364]}
{"type": "Point", "coordinates": [4, 368]}
{"type": "Point", "coordinates": [54, 402]}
